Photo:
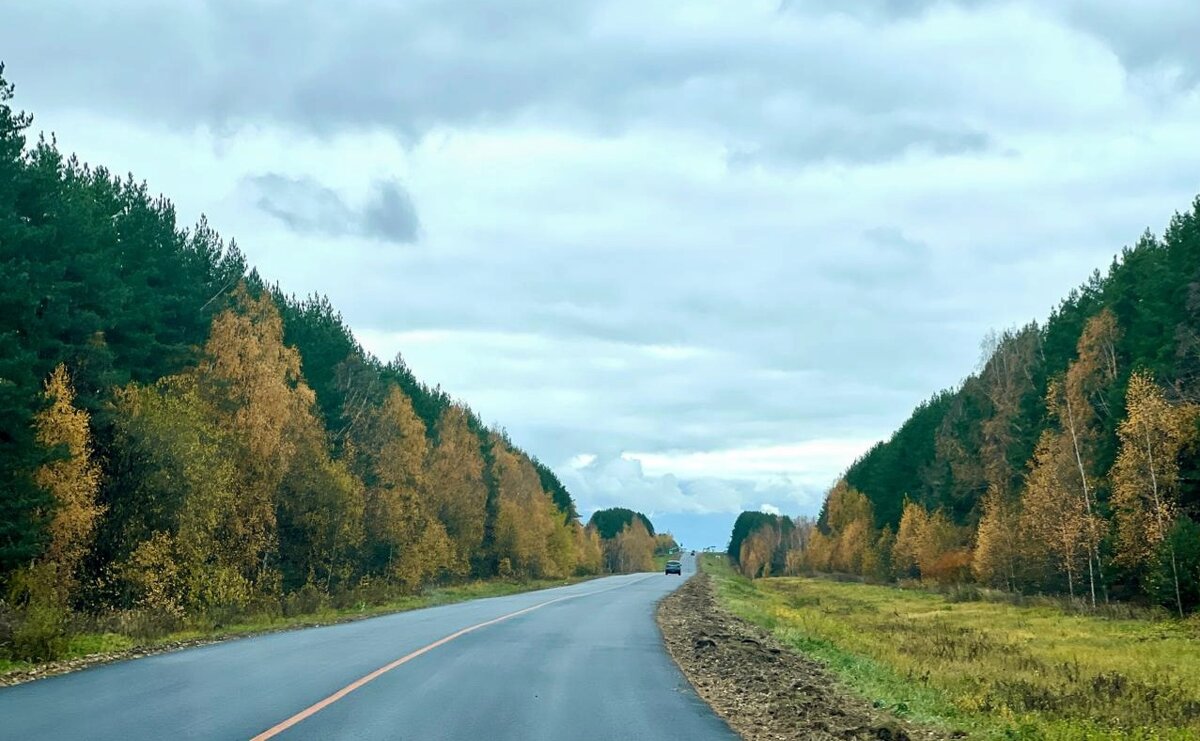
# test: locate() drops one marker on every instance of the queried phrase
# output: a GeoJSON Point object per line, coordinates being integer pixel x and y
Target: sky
{"type": "Point", "coordinates": [696, 256]}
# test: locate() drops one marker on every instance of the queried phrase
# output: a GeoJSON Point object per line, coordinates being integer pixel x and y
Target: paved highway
{"type": "Point", "coordinates": [578, 662]}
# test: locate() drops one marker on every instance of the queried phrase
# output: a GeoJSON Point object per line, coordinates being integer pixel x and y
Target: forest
{"type": "Point", "coordinates": [1067, 463]}
{"type": "Point", "coordinates": [181, 442]}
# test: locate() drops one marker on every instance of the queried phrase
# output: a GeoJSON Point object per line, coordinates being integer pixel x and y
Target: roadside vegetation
{"type": "Point", "coordinates": [1043, 518]}
{"type": "Point", "coordinates": [117, 635]}
{"type": "Point", "coordinates": [629, 542]}
{"type": "Point", "coordinates": [973, 660]}
{"type": "Point", "coordinates": [1068, 463]}
{"type": "Point", "coordinates": [187, 450]}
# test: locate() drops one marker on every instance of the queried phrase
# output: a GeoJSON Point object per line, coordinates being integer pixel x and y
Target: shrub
{"type": "Point", "coordinates": [41, 634]}
{"type": "Point", "coordinates": [306, 600]}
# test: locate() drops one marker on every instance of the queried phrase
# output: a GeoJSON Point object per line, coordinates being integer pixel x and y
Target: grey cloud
{"type": "Point", "coordinates": [1153, 35]}
{"type": "Point", "coordinates": [864, 140]}
{"type": "Point", "coordinates": [413, 67]}
{"type": "Point", "coordinates": [390, 215]}
{"type": "Point", "coordinates": [306, 206]}
{"type": "Point", "coordinates": [876, 229]}
{"type": "Point", "coordinates": [303, 204]}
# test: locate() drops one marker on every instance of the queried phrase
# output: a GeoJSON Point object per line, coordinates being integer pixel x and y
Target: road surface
{"type": "Point", "coordinates": [578, 662]}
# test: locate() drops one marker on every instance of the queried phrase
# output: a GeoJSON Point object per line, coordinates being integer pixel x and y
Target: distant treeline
{"type": "Point", "coordinates": [628, 539]}
{"type": "Point", "coordinates": [1068, 463]}
{"type": "Point", "coordinates": [180, 438]}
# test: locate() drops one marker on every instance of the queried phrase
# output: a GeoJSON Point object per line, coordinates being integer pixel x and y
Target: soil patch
{"type": "Point", "coordinates": [762, 689]}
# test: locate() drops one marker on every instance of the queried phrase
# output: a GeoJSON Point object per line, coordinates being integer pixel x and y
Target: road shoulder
{"type": "Point", "coordinates": [762, 689]}
{"type": "Point", "coordinates": [454, 594]}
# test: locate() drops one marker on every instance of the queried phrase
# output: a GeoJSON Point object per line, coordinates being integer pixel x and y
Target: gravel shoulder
{"type": "Point", "coordinates": [761, 688]}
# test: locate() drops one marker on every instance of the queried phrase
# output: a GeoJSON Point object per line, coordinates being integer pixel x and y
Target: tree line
{"type": "Point", "coordinates": [180, 438]}
{"type": "Point", "coordinates": [1069, 462]}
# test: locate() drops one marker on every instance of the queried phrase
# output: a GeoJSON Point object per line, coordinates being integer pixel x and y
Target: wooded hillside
{"type": "Point", "coordinates": [180, 438]}
{"type": "Point", "coordinates": [1067, 462]}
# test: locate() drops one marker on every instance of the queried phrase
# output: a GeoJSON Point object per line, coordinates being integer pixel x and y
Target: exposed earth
{"type": "Point", "coordinates": [762, 689]}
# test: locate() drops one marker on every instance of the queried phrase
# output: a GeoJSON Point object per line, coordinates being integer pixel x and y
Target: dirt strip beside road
{"type": "Point", "coordinates": [762, 689]}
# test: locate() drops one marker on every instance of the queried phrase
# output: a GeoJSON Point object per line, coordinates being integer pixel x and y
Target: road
{"type": "Point", "coordinates": [578, 662]}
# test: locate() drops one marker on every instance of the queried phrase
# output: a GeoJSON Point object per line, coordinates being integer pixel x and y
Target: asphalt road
{"type": "Point", "coordinates": [580, 662]}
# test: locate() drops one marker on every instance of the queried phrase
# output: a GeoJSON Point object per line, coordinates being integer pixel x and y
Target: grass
{"type": "Point", "coordinates": [90, 644]}
{"type": "Point", "coordinates": [995, 670]}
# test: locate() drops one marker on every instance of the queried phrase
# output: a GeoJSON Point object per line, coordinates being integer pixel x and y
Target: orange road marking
{"type": "Point", "coordinates": [317, 707]}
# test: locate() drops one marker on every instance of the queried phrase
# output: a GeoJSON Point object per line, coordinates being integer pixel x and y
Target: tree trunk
{"type": "Point", "coordinates": [1087, 499]}
{"type": "Point", "coordinates": [1158, 515]}
{"type": "Point", "coordinates": [1175, 573]}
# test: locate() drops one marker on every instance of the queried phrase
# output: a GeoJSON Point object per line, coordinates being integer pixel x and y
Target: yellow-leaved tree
{"type": "Point", "coordinates": [907, 547]}
{"type": "Point", "coordinates": [252, 381]}
{"type": "Point", "coordinates": [930, 545]}
{"type": "Point", "coordinates": [44, 588]}
{"type": "Point", "coordinates": [1054, 513]}
{"type": "Point", "coordinates": [757, 551]}
{"type": "Point", "coordinates": [530, 535]}
{"type": "Point", "coordinates": [175, 518]}
{"type": "Point", "coordinates": [1145, 477]}
{"type": "Point", "coordinates": [997, 542]}
{"type": "Point", "coordinates": [1075, 401]}
{"type": "Point", "coordinates": [851, 526]}
{"type": "Point", "coordinates": [590, 551]}
{"type": "Point", "coordinates": [71, 477]}
{"type": "Point", "coordinates": [456, 489]}
{"type": "Point", "coordinates": [409, 543]}
{"type": "Point", "coordinates": [635, 548]}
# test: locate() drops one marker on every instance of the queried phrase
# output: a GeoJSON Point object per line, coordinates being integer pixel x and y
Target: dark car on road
{"type": "Point", "coordinates": [674, 567]}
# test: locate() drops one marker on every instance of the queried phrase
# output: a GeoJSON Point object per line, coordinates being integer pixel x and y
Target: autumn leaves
{"type": "Point", "coordinates": [1097, 508]}
{"type": "Point", "coordinates": [225, 493]}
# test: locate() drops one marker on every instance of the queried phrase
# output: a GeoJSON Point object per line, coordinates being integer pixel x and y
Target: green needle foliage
{"type": "Point", "coordinates": [183, 444]}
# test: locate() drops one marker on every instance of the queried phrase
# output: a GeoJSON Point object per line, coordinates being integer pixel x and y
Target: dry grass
{"type": "Point", "coordinates": [996, 669]}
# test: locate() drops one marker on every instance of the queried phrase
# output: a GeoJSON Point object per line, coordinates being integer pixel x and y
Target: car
{"type": "Point", "coordinates": [674, 567]}
{"type": "Point", "coordinates": [693, 553]}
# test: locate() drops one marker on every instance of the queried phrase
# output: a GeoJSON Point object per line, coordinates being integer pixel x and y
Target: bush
{"type": "Point", "coordinates": [41, 634]}
{"type": "Point", "coordinates": [963, 593]}
{"type": "Point", "coordinates": [306, 600]}
{"type": "Point", "coordinates": [146, 623]}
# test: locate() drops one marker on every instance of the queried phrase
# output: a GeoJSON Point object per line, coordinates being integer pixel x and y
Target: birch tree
{"type": "Point", "coordinates": [1145, 477]}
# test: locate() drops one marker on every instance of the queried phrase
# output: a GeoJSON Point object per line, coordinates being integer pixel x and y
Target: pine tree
{"type": "Point", "coordinates": [24, 506]}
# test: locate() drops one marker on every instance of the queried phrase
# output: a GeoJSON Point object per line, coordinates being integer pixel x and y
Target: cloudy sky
{"type": "Point", "coordinates": [696, 256]}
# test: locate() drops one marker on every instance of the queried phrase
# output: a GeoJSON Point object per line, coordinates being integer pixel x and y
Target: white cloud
{"type": "Point", "coordinates": [814, 461]}
{"type": "Point", "coordinates": [581, 460]}
{"type": "Point", "coordinates": [702, 255]}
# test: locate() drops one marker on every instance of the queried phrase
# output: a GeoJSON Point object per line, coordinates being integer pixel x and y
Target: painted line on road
{"type": "Point", "coordinates": [317, 707]}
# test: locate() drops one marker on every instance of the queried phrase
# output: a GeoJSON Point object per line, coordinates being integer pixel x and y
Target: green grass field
{"type": "Point", "coordinates": [994, 670]}
{"type": "Point", "coordinates": [83, 645]}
